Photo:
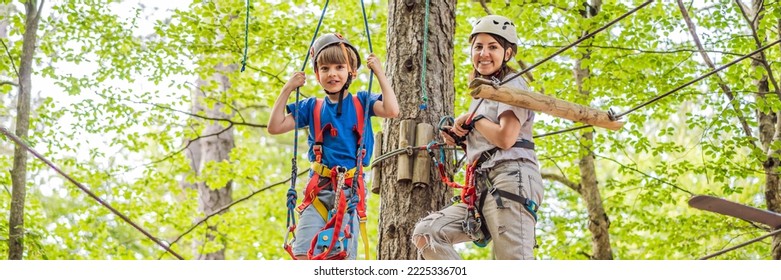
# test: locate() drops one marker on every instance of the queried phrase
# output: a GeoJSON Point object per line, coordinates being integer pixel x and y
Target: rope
{"type": "Point", "coordinates": [424, 103]}
{"type": "Point", "coordinates": [469, 120]}
{"type": "Point", "coordinates": [87, 191]}
{"type": "Point", "coordinates": [777, 231]}
{"type": "Point", "coordinates": [246, 39]}
{"type": "Point", "coordinates": [714, 71]}
{"type": "Point", "coordinates": [657, 98]}
{"type": "Point", "coordinates": [578, 41]}
{"type": "Point", "coordinates": [294, 169]}
{"type": "Point", "coordinates": [367, 123]}
{"type": "Point", "coordinates": [408, 149]}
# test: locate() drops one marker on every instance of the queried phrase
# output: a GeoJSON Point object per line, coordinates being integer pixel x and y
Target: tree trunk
{"type": "Point", "coordinates": [403, 204]}
{"type": "Point", "coordinates": [598, 222]}
{"type": "Point", "coordinates": [769, 131]}
{"type": "Point", "coordinates": [214, 145]}
{"type": "Point", "coordinates": [773, 197]}
{"type": "Point", "coordinates": [19, 169]}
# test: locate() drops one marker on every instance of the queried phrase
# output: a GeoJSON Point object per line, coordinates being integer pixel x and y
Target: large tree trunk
{"type": "Point", "coordinates": [19, 169]}
{"type": "Point", "coordinates": [773, 197]}
{"type": "Point", "coordinates": [215, 144]}
{"type": "Point", "coordinates": [403, 204]}
{"type": "Point", "coordinates": [598, 222]}
{"type": "Point", "coordinates": [769, 127]}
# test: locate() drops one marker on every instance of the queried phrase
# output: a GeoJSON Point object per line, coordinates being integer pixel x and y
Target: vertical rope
{"type": "Point", "coordinates": [367, 122]}
{"type": "Point", "coordinates": [424, 103]}
{"type": "Point", "coordinates": [294, 169]}
{"type": "Point", "coordinates": [246, 39]}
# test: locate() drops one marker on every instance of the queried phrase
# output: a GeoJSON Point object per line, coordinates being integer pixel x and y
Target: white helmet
{"type": "Point", "coordinates": [497, 25]}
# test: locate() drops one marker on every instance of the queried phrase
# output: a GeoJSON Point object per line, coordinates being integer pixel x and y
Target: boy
{"type": "Point", "coordinates": [336, 129]}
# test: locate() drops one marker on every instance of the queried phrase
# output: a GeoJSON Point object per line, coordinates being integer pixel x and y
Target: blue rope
{"type": "Point", "coordinates": [424, 104]}
{"type": "Point", "coordinates": [294, 169]}
{"type": "Point", "coordinates": [246, 36]}
{"type": "Point", "coordinates": [292, 197]}
{"type": "Point", "coordinates": [367, 122]}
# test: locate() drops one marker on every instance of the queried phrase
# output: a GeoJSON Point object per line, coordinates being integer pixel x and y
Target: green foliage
{"type": "Point", "coordinates": [119, 124]}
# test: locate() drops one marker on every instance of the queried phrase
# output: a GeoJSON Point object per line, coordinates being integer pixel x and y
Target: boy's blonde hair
{"type": "Point", "coordinates": [333, 54]}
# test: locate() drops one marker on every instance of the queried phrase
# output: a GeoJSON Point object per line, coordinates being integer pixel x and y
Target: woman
{"type": "Point", "coordinates": [499, 145]}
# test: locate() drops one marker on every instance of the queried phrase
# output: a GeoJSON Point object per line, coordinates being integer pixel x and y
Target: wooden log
{"type": "Point", "coordinates": [421, 174]}
{"type": "Point", "coordinates": [403, 161]}
{"type": "Point", "coordinates": [547, 104]}
{"type": "Point", "coordinates": [377, 166]}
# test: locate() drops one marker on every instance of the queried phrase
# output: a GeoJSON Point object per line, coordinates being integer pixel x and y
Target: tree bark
{"type": "Point", "coordinates": [215, 145]}
{"type": "Point", "coordinates": [769, 125]}
{"type": "Point", "coordinates": [598, 222]}
{"type": "Point", "coordinates": [402, 204]}
{"type": "Point", "coordinates": [19, 169]}
{"type": "Point", "coordinates": [773, 199]}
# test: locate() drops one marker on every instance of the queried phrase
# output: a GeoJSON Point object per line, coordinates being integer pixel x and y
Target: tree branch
{"type": "Point", "coordinates": [238, 112]}
{"type": "Point", "coordinates": [758, 41]}
{"type": "Point", "coordinates": [726, 89]}
{"type": "Point", "coordinates": [189, 141]}
{"type": "Point", "coordinates": [232, 122]}
{"type": "Point", "coordinates": [226, 207]}
{"type": "Point", "coordinates": [485, 7]}
{"type": "Point", "coordinates": [2, 83]}
{"type": "Point", "coordinates": [10, 57]}
{"type": "Point", "coordinates": [563, 180]}
{"type": "Point", "coordinates": [645, 174]}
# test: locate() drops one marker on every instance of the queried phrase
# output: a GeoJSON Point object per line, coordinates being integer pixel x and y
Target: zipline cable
{"type": "Point", "coordinates": [712, 72]}
{"type": "Point", "coordinates": [777, 231]}
{"type": "Point", "coordinates": [565, 48]}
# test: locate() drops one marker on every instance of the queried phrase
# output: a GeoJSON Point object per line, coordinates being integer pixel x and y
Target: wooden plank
{"type": "Point", "coordinates": [547, 104]}
{"type": "Point", "coordinates": [377, 167]}
{"type": "Point", "coordinates": [404, 161]}
{"type": "Point", "coordinates": [421, 173]}
{"type": "Point", "coordinates": [737, 210]}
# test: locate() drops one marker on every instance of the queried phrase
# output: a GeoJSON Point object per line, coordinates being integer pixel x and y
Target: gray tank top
{"type": "Point", "coordinates": [477, 143]}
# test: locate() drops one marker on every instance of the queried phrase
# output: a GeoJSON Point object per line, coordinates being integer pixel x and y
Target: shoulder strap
{"type": "Point", "coordinates": [317, 147]}
{"type": "Point", "coordinates": [359, 116]}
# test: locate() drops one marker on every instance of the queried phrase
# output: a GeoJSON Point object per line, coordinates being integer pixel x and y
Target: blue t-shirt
{"type": "Point", "coordinates": [340, 149]}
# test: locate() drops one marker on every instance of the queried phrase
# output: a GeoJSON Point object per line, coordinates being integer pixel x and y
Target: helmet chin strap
{"type": "Point", "coordinates": [341, 94]}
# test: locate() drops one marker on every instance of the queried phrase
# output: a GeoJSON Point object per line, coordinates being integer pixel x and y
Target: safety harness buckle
{"type": "Point", "coordinates": [317, 149]}
{"type": "Point", "coordinates": [471, 225]}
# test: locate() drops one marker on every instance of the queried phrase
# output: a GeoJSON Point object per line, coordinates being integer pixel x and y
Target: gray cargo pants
{"type": "Point", "coordinates": [511, 227]}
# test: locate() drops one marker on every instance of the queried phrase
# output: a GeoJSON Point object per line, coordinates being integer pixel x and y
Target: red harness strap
{"type": "Point", "coordinates": [313, 188]}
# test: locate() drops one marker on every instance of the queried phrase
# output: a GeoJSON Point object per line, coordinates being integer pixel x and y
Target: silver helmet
{"type": "Point", "coordinates": [328, 40]}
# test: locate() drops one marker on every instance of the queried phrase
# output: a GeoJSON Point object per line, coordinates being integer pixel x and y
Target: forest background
{"type": "Point", "coordinates": [146, 105]}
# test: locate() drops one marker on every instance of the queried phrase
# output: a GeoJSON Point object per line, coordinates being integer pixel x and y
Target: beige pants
{"type": "Point", "coordinates": [511, 227]}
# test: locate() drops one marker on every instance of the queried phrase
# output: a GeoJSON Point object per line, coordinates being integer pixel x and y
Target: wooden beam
{"type": "Point", "coordinates": [547, 104]}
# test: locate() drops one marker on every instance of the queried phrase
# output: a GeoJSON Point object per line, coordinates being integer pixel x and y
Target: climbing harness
{"type": "Point", "coordinates": [333, 237]}
{"type": "Point", "coordinates": [341, 181]}
{"type": "Point", "coordinates": [472, 224]}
